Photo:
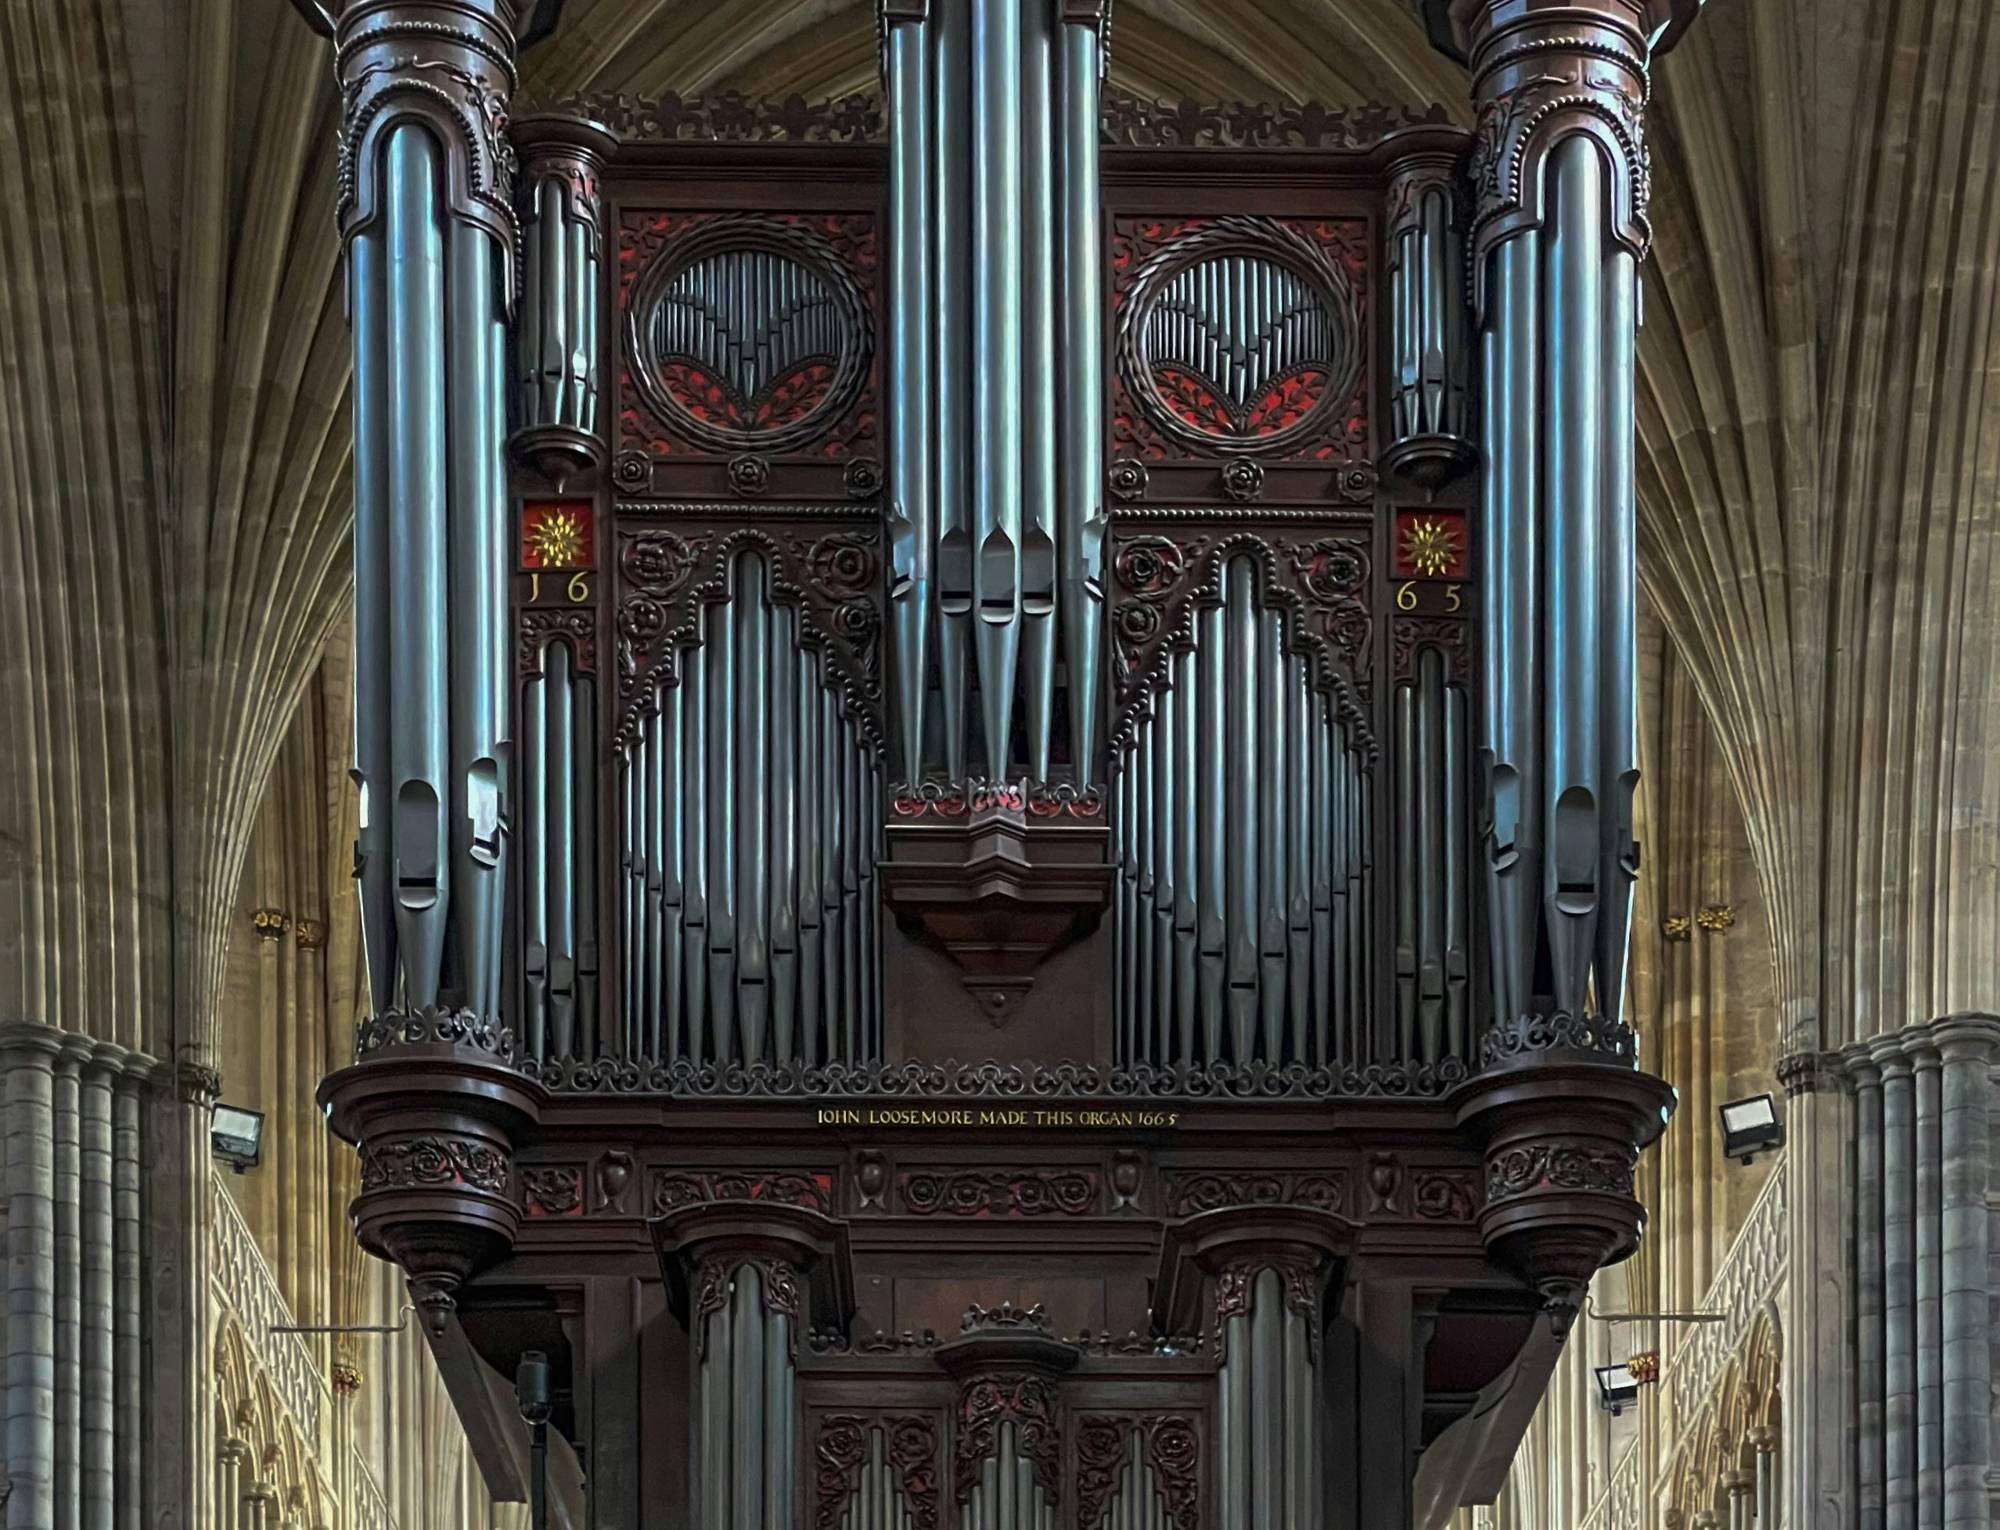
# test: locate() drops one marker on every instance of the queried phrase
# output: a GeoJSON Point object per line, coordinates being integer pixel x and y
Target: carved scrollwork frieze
{"type": "Point", "coordinates": [1317, 584]}
{"type": "Point", "coordinates": [674, 1189]}
{"type": "Point", "coordinates": [435, 1162]}
{"type": "Point", "coordinates": [998, 1192]}
{"type": "Point", "coordinates": [1189, 1192]}
{"type": "Point", "coordinates": [1539, 85]}
{"type": "Point", "coordinates": [1558, 1031]}
{"type": "Point", "coordinates": [1131, 121]}
{"type": "Point", "coordinates": [453, 80]}
{"type": "Point", "coordinates": [433, 1027]}
{"type": "Point", "coordinates": [1558, 1166]}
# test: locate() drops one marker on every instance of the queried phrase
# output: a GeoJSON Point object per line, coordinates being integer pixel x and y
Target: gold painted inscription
{"type": "Point", "coordinates": [988, 1117]}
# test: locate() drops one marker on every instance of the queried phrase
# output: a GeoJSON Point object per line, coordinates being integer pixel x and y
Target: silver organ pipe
{"type": "Point", "coordinates": [753, 798]}
{"type": "Point", "coordinates": [744, 1395]}
{"type": "Point", "coordinates": [996, 323]}
{"type": "Point", "coordinates": [1244, 855]}
{"type": "Point", "coordinates": [1433, 915]}
{"type": "Point", "coordinates": [558, 831]}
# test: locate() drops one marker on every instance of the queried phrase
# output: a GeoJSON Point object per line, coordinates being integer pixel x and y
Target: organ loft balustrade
{"type": "Point", "coordinates": [995, 737]}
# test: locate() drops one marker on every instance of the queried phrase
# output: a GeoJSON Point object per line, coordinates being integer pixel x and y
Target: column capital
{"type": "Point", "coordinates": [1309, 1247]}
{"type": "Point", "coordinates": [702, 1245]}
{"type": "Point", "coordinates": [1888, 1053]}
{"type": "Point", "coordinates": [1967, 1036]}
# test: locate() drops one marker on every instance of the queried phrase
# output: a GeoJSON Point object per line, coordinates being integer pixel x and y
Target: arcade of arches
{"type": "Point", "coordinates": [1816, 912]}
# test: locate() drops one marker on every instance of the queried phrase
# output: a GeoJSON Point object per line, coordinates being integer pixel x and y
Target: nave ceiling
{"type": "Point", "coordinates": [1816, 421]}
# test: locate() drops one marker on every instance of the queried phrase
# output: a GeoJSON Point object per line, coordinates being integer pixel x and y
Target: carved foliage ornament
{"type": "Point", "coordinates": [1558, 1031]}
{"type": "Point", "coordinates": [1170, 1446]}
{"type": "Point", "coordinates": [1540, 88]}
{"type": "Point", "coordinates": [917, 1079]}
{"type": "Point", "coordinates": [831, 579]}
{"type": "Point", "coordinates": [1185, 124]}
{"type": "Point", "coordinates": [552, 1192]}
{"type": "Point", "coordinates": [1162, 584]}
{"type": "Point", "coordinates": [451, 80]}
{"type": "Point", "coordinates": [841, 1455]}
{"type": "Point", "coordinates": [1026, 1400]}
{"type": "Point", "coordinates": [1190, 1192]}
{"type": "Point", "coordinates": [715, 1279]}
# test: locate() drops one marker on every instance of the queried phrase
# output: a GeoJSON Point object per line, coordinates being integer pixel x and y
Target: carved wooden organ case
{"type": "Point", "coordinates": [1001, 799]}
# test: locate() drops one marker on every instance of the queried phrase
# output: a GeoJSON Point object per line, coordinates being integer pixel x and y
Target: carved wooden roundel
{"type": "Point", "coordinates": [748, 335]}
{"type": "Point", "coordinates": [1241, 336]}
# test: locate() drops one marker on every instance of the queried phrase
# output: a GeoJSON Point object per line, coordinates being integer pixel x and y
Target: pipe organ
{"type": "Point", "coordinates": [994, 732]}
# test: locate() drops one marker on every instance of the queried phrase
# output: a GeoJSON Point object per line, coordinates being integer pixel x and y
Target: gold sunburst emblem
{"type": "Point", "coordinates": [558, 539]}
{"type": "Point", "coordinates": [1430, 545]}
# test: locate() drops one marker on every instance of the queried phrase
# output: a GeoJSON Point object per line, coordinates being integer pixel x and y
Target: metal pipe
{"type": "Point", "coordinates": [788, 672]}
{"type": "Point", "coordinates": [722, 622]}
{"type": "Point", "coordinates": [374, 852]}
{"type": "Point", "coordinates": [996, 371]}
{"type": "Point", "coordinates": [1510, 600]}
{"type": "Point", "coordinates": [419, 642]}
{"type": "Point", "coordinates": [534, 894]}
{"type": "Point", "coordinates": [1429, 860]}
{"type": "Point", "coordinates": [1039, 425]}
{"type": "Point", "coordinates": [1166, 811]}
{"type": "Point", "coordinates": [1210, 816]}
{"type": "Point", "coordinates": [557, 809]}
{"type": "Point", "coordinates": [692, 766]}
{"type": "Point", "coordinates": [752, 830]}
{"type": "Point", "coordinates": [1081, 519]}
{"type": "Point", "coordinates": [812, 986]}
{"type": "Point", "coordinates": [1267, 1401]}
{"type": "Point", "coordinates": [1271, 834]}
{"type": "Point", "coordinates": [910, 514]}
{"type": "Point", "coordinates": [1573, 715]}
{"type": "Point", "coordinates": [1618, 771]}
{"type": "Point", "coordinates": [1186, 717]}
{"type": "Point", "coordinates": [1244, 768]}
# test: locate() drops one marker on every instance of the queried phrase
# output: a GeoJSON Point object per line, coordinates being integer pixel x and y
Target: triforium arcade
{"type": "Point", "coordinates": [995, 729]}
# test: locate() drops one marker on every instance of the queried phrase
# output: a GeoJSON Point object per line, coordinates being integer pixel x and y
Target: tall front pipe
{"type": "Point", "coordinates": [996, 367]}
{"type": "Point", "coordinates": [1559, 227]}
{"type": "Point", "coordinates": [912, 522]}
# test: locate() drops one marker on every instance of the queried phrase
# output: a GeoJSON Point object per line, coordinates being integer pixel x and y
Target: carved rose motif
{"type": "Point", "coordinates": [641, 619]}
{"type": "Point", "coordinates": [843, 564]}
{"type": "Point", "coordinates": [429, 1162]}
{"type": "Point", "coordinates": [749, 475]}
{"type": "Point", "coordinates": [1547, 1166]}
{"type": "Point", "coordinates": [554, 1192]}
{"type": "Point", "coordinates": [1128, 479]}
{"type": "Point", "coordinates": [632, 471]}
{"type": "Point", "coordinates": [1243, 480]}
{"type": "Point", "coordinates": [1149, 566]}
{"type": "Point", "coordinates": [1330, 569]}
{"type": "Point", "coordinates": [864, 478]}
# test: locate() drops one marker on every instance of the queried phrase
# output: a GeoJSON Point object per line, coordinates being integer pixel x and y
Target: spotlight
{"type": "Point", "coordinates": [1750, 1127]}
{"type": "Point", "coordinates": [1617, 1388]}
{"type": "Point", "coordinates": [236, 1136]}
{"type": "Point", "coordinates": [531, 1386]}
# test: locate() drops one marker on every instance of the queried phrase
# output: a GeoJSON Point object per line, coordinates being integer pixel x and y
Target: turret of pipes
{"type": "Point", "coordinates": [996, 529]}
{"type": "Point", "coordinates": [426, 211]}
{"type": "Point", "coordinates": [1557, 237]}
{"type": "Point", "coordinates": [556, 392]}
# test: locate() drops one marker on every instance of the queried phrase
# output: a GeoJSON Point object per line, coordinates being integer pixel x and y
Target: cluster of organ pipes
{"type": "Point", "coordinates": [1245, 889]}
{"type": "Point", "coordinates": [1241, 324]}
{"type": "Point", "coordinates": [878, 1502]}
{"type": "Point", "coordinates": [1268, 1442]}
{"type": "Point", "coordinates": [426, 285]}
{"type": "Point", "coordinates": [1007, 1495]}
{"type": "Point", "coordinates": [744, 1394]}
{"type": "Point", "coordinates": [1137, 1503]}
{"type": "Point", "coordinates": [751, 812]}
{"type": "Point", "coordinates": [749, 317]}
{"type": "Point", "coordinates": [995, 323]}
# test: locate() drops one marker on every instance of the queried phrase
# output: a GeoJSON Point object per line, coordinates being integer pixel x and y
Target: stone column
{"type": "Point", "coordinates": [1899, 1283]}
{"type": "Point", "coordinates": [229, 1484]}
{"type": "Point", "coordinates": [27, 1074]}
{"type": "Point", "coordinates": [1738, 1485]}
{"type": "Point", "coordinates": [1818, 1381]}
{"type": "Point", "coordinates": [1966, 1045]}
{"type": "Point", "coordinates": [68, 1288]}
{"type": "Point", "coordinates": [1929, 1304]}
{"type": "Point", "coordinates": [97, 1239]}
{"type": "Point", "coordinates": [1870, 1441]}
{"type": "Point", "coordinates": [1764, 1440]}
{"type": "Point", "coordinates": [127, 1230]}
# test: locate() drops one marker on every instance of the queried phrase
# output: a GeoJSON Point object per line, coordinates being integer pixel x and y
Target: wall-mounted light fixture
{"type": "Point", "coordinates": [236, 1136]}
{"type": "Point", "coordinates": [1751, 1126]}
{"type": "Point", "coordinates": [1617, 1388]}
